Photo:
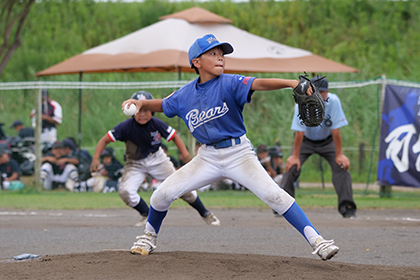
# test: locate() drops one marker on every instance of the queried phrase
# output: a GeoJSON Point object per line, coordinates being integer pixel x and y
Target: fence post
{"type": "Point", "coordinates": [361, 156]}
{"type": "Point", "coordinates": [385, 191]}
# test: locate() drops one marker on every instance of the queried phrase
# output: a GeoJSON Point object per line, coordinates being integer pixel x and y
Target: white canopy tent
{"type": "Point", "coordinates": [163, 46]}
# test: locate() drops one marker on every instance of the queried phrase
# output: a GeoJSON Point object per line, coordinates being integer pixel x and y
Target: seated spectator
{"type": "Point", "coordinates": [108, 178]}
{"type": "Point", "coordinates": [9, 168]}
{"type": "Point", "coordinates": [264, 158]}
{"type": "Point", "coordinates": [22, 130]}
{"type": "Point", "coordinates": [59, 168]}
{"type": "Point", "coordinates": [83, 156]}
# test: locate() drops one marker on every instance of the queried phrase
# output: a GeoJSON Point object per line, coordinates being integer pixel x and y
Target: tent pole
{"type": "Point", "coordinates": [38, 145]}
{"type": "Point", "coordinates": [179, 120]}
{"type": "Point", "coordinates": [80, 123]}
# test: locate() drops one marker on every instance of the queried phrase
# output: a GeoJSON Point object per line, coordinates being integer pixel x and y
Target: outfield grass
{"type": "Point", "coordinates": [305, 197]}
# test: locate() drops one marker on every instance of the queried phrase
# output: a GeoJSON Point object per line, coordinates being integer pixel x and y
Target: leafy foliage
{"type": "Point", "coordinates": [377, 37]}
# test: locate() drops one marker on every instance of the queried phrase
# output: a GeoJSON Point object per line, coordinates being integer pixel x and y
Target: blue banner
{"type": "Point", "coordinates": [399, 151]}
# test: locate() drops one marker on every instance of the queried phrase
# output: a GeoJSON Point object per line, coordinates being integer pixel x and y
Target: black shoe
{"type": "Point", "coordinates": [350, 214]}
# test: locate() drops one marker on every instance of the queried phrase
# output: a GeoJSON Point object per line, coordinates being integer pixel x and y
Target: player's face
{"type": "Point", "coordinates": [3, 158]}
{"type": "Point", "coordinates": [213, 61]}
{"type": "Point", "coordinates": [262, 155]}
{"type": "Point", "coordinates": [324, 94]}
{"type": "Point", "coordinates": [144, 116]}
{"type": "Point", "coordinates": [57, 152]}
{"type": "Point", "coordinates": [106, 160]}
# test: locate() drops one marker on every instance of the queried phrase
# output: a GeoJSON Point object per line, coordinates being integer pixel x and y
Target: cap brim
{"type": "Point", "coordinates": [227, 48]}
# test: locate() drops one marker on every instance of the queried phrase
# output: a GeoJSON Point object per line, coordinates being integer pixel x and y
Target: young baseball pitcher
{"type": "Point", "coordinates": [142, 135]}
{"type": "Point", "coordinates": [211, 106]}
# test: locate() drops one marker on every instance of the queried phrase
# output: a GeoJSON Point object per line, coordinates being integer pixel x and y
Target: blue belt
{"type": "Point", "coordinates": [225, 143]}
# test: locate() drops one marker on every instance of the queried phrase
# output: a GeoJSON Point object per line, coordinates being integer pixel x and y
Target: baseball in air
{"type": "Point", "coordinates": [130, 110]}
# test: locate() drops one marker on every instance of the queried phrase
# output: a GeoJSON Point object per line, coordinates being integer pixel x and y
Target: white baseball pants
{"type": "Point", "coordinates": [158, 165]}
{"type": "Point", "coordinates": [48, 176]}
{"type": "Point", "coordinates": [238, 163]}
{"type": "Point", "coordinates": [49, 135]}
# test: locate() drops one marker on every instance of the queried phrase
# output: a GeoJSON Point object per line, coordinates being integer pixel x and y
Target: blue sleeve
{"type": "Point", "coordinates": [337, 114]}
{"type": "Point", "coordinates": [241, 87]}
{"type": "Point", "coordinates": [170, 105]}
{"type": "Point", "coordinates": [296, 123]}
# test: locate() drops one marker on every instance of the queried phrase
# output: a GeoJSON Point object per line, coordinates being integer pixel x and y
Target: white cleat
{"type": "Point", "coordinates": [211, 220]}
{"type": "Point", "coordinates": [325, 249]}
{"type": "Point", "coordinates": [145, 244]}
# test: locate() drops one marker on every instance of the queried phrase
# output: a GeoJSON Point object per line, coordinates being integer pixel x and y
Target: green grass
{"type": "Point", "coordinates": [29, 199]}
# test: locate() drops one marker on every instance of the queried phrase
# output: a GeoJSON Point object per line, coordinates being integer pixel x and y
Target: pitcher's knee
{"type": "Point", "coordinates": [190, 197]}
{"type": "Point", "coordinates": [160, 201]}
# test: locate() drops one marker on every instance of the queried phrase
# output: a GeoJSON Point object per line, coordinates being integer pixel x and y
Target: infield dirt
{"type": "Point", "coordinates": [250, 244]}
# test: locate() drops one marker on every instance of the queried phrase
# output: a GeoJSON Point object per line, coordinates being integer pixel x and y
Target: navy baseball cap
{"type": "Point", "coordinates": [16, 123]}
{"type": "Point", "coordinates": [4, 149]}
{"type": "Point", "coordinates": [142, 95]}
{"type": "Point", "coordinates": [45, 93]}
{"type": "Point", "coordinates": [108, 152]}
{"type": "Point", "coordinates": [262, 148]}
{"type": "Point", "coordinates": [57, 145]}
{"type": "Point", "coordinates": [68, 143]}
{"type": "Point", "coordinates": [322, 84]}
{"type": "Point", "coordinates": [207, 42]}
{"type": "Point", "coordinates": [275, 152]}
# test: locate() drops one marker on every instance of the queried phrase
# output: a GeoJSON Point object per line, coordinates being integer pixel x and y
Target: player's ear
{"type": "Point", "coordinates": [196, 62]}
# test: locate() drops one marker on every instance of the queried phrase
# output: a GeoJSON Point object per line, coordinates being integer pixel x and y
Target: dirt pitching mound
{"type": "Point", "coordinates": [193, 265]}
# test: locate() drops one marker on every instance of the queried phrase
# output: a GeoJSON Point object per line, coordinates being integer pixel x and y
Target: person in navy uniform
{"type": "Point", "coordinates": [51, 117]}
{"type": "Point", "coordinates": [23, 131]}
{"type": "Point", "coordinates": [143, 135]}
{"type": "Point", "coordinates": [59, 167]}
{"type": "Point", "coordinates": [324, 140]}
{"type": "Point", "coordinates": [108, 176]}
{"type": "Point", "coordinates": [9, 168]}
{"type": "Point", "coordinates": [211, 107]}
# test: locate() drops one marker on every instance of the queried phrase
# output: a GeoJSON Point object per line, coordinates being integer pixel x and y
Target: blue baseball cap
{"type": "Point", "coordinates": [322, 84]}
{"type": "Point", "coordinates": [207, 42]}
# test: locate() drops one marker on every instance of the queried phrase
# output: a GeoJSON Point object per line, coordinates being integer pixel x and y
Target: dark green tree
{"type": "Point", "coordinates": [13, 14]}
